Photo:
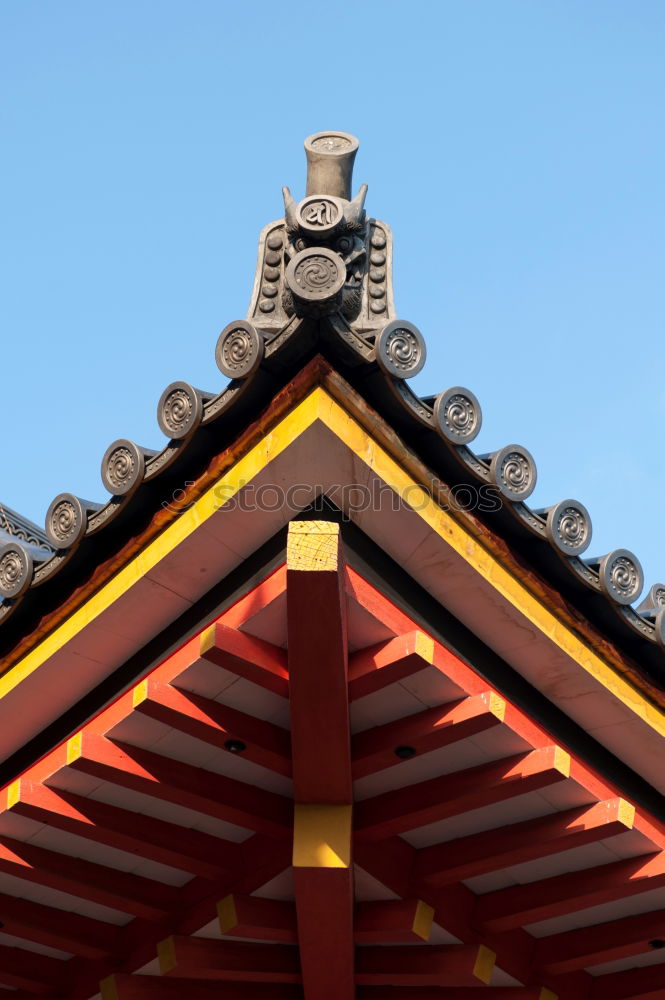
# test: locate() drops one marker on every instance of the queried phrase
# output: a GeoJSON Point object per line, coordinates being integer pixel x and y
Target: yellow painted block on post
{"type": "Point", "coordinates": [423, 920]}
{"type": "Point", "coordinates": [322, 836]}
{"type": "Point", "coordinates": [484, 964]}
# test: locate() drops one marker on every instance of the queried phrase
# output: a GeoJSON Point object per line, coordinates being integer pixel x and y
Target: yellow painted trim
{"type": "Point", "coordinates": [140, 694]}
{"type": "Point", "coordinates": [319, 405]}
{"type": "Point", "coordinates": [424, 647]}
{"type": "Point", "coordinates": [108, 988]}
{"type": "Point", "coordinates": [226, 914]}
{"type": "Point", "coordinates": [484, 965]}
{"type": "Point", "coordinates": [562, 761]}
{"type": "Point", "coordinates": [74, 747]}
{"type": "Point", "coordinates": [207, 640]}
{"type": "Point", "coordinates": [626, 814]}
{"type": "Point", "coordinates": [322, 836]}
{"type": "Point", "coordinates": [546, 994]}
{"type": "Point", "coordinates": [166, 955]}
{"type": "Point", "coordinates": [423, 920]}
{"type": "Point", "coordinates": [497, 706]}
{"type": "Point", "coordinates": [14, 793]}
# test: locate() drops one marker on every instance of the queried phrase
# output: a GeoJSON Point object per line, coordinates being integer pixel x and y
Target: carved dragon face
{"type": "Point", "coordinates": [327, 254]}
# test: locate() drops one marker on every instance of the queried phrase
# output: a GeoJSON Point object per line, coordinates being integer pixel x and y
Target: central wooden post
{"type": "Point", "coordinates": [318, 685]}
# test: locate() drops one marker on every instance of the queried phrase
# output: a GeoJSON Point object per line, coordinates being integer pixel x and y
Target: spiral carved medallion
{"type": "Point", "coordinates": [239, 350]}
{"type": "Point", "coordinates": [569, 527]}
{"type": "Point", "coordinates": [65, 521]}
{"type": "Point", "coordinates": [457, 414]}
{"type": "Point", "coordinates": [621, 576]}
{"type": "Point", "coordinates": [400, 349]}
{"type": "Point", "coordinates": [179, 410]}
{"type": "Point", "coordinates": [15, 570]}
{"type": "Point", "coordinates": [514, 472]}
{"type": "Point", "coordinates": [123, 466]}
{"type": "Point", "coordinates": [316, 277]}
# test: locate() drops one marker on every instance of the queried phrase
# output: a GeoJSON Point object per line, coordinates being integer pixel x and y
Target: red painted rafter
{"type": "Point", "coordinates": [124, 987]}
{"type": "Point", "coordinates": [532, 902]}
{"type": "Point", "coordinates": [437, 965]}
{"type": "Point", "coordinates": [26, 970]}
{"type": "Point", "coordinates": [320, 734]}
{"type": "Point", "coordinates": [180, 784]}
{"type": "Point", "coordinates": [272, 588]}
{"type": "Point", "coordinates": [451, 795]}
{"type": "Point", "coordinates": [450, 993]}
{"type": "Point", "coordinates": [248, 657]}
{"type": "Point", "coordinates": [392, 861]}
{"type": "Point", "coordinates": [141, 897]}
{"type": "Point", "coordinates": [196, 852]}
{"type": "Point", "coordinates": [215, 724]}
{"type": "Point", "coordinates": [605, 942]}
{"type": "Point", "coordinates": [223, 961]}
{"type": "Point", "coordinates": [647, 983]}
{"type": "Point", "coordinates": [391, 921]}
{"type": "Point", "coordinates": [492, 850]}
{"type": "Point", "coordinates": [374, 749]}
{"type": "Point", "coordinates": [61, 929]}
{"type": "Point", "coordinates": [376, 667]}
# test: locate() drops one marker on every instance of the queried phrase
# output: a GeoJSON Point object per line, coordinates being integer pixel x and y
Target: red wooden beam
{"type": "Point", "coordinates": [223, 961]}
{"type": "Point", "coordinates": [142, 897]}
{"type": "Point", "coordinates": [248, 657]}
{"type": "Point", "coordinates": [255, 917]}
{"type": "Point", "coordinates": [374, 749]}
{"type": "Point", "coordinates": [391, 863]}
{"type": "Point", "coordinates": [386, 663]}
{"type": "Point", "coordinates": [320, 731]}
{"type": "Point", "coordinates": [26, 970]}
{"type": "Point", "coordinates": [492, 850]}
{"type": "Point", "coordinates": [181, 784]}
{"type": "Point", "coordinates": [435, 965]}
{"type": "Point", "coordinates": [606, 942]}
{"type": "Point", "coordinates": [215, 724]}
{"type": "Point", "coordinates": [167, 843]}
{"type": "Point", "coordinates": [450, 993]}
{"type": "Point", "coordinates": [647, 983]}
{"type": "Point", "coordinates": [269, 590]}
{"type": "Point", "coordinates": [56, 928]}
{"type": "Point", "coordinates": [532, 902]}
{"type": "Point", "coordinates": [318, 671]}
{"type": "Point", "coordinates": [427, 802]}
{"type": "Point", "coordinates": [125, 987]}
{"type": "Point", "coordinates": [375, 603]}
{"type": "Point", "coordinates": [394, 921]}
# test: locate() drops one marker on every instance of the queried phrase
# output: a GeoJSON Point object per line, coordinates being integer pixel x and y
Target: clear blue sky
{"type": "Point", "coordinates": [517, 149]}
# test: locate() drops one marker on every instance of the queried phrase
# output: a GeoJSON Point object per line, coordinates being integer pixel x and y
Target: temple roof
{"type": "Point", "coordinates": [16, 528]}
{"type": "Point", "coordinates": [323, 286]}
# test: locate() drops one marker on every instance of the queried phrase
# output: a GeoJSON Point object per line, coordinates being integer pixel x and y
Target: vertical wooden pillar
{"type": "Point", "coordinates": [318, 683]}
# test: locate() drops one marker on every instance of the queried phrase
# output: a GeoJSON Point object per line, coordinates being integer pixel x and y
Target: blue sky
{"type": "Point", "coordinates": [516, 148]}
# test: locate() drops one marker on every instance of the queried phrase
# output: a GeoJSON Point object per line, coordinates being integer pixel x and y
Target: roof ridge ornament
{"type": "Point", "coordinates": [325, 263]}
